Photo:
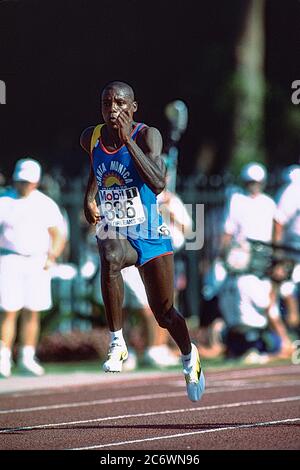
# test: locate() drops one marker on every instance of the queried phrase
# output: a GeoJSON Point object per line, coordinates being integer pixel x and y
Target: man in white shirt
{"type": "Point", "coordinates": [287, 232]}
{"type": "Point", "coordinates": [287, 216]}
{"type": "Point", "coordinates": [246, 298]}
{"type": "Point", "coordinates": [31, 239]}
{"type": "Point", "coordinates": [250, 214]}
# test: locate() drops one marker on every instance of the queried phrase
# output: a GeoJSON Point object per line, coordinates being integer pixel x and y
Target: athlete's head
{"type": "Point", "coordinates": [116, 97]}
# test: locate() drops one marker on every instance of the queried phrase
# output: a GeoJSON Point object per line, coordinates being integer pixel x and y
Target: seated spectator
{"type": "Point", "coordinates": [252, 318]}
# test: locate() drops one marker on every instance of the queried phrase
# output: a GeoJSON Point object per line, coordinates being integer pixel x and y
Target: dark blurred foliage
{"type": "Point", "coordinates": [57, 55]}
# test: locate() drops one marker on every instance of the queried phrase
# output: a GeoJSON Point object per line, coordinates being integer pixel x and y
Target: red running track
{"type": "Point", "coordinates": [253, 408]}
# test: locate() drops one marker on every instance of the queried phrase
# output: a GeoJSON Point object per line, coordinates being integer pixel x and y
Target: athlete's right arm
{"type": "Point", "coordinates": [90, 208]}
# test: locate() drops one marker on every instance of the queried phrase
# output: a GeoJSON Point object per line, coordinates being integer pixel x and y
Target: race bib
{"type": "Point", "coordinates": [122, 207]}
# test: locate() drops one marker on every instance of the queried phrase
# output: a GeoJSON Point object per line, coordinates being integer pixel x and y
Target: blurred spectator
{"type": "Point", "coordinates": [252, 319]}
{"type": "Point", "coordinates": [51, 186]}
{"type": "Point", "coordinates": [287, 233]}
{"type": "Point", "coordinates": [66, 280]}
{"type": "Point", "coordinates": [251, 212]}
{"type": "Point", "coordinates": [250, 313]}
{"type": "Point", "coordinates": [179, 223]}
{"type": "Point", "coordinates": [30, 242]}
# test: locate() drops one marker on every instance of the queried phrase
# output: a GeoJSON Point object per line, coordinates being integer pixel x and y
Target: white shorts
{"type": "Point", "coordinates": [24, 283]}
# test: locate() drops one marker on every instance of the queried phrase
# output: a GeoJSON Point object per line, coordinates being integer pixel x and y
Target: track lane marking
{"type": "Point", "coordinates": [155, 413]}
{"type": "Point", "coordinates": [193, 433]}
{"type": "Point", "coordinates": [103, 401]}
{"type": "Point", "coordinates": [146, 397]}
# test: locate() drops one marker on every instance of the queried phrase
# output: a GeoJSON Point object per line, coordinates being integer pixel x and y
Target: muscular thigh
{"type": "Point", "coordinates": [158, 278]}
{"type": "Point", "coordinates": [118, 251]}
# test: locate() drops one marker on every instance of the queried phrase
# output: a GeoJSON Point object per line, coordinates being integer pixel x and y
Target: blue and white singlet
{"type": "Point", "coordinates": [128, 204]}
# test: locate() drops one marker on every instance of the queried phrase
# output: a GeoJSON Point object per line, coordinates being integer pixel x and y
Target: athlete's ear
{"type": "Point", "coordinates": [134, 106]}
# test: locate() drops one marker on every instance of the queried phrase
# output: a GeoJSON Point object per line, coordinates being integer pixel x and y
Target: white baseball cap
{"type": "Point", "coordinates": [254, 172]}
{"type": "Point", "coordinates": [291, 174]}
{"type": "Point", "coordinates": [28, 170]}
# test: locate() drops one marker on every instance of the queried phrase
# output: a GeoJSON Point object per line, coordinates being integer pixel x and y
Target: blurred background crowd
{"type": "Point", "coordinates": [218, 84]}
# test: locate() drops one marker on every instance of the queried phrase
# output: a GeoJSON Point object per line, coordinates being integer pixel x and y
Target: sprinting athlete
{"type": "Point", "coordinates": [127, 172]}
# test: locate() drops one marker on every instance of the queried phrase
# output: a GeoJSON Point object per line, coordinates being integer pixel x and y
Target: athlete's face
{"type": "Point", "coordinates": [113, 101]}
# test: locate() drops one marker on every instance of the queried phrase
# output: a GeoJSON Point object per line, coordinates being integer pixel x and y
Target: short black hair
{"type": "Point", "coordinates": [122, 85]}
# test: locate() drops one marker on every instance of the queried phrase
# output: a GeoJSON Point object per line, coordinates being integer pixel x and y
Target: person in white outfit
{"type": "Point", "coordinates": [245, 298]}
{"type": "Point", "coordinates": [251, 212]}
{"type": "Point", "coordinates": [287, 232]}
{"type": "Point", "coordinates": [31, 239]}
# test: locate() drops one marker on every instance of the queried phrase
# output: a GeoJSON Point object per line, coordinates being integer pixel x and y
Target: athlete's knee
{"type": "Point", "coordinates": [111, 258]}
{"type": "Point", "coordinates": [166, 319]}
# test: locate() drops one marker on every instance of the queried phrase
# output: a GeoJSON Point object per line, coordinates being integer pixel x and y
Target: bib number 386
{"type": "Point", "coordinates": [122, 207]}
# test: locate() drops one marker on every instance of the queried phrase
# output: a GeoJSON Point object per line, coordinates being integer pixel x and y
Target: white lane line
{"type": "Point", "coordinates": [154, 413]}
{"type": "Point", "coordinates": [154, 396]}
{"type": "Point", "coordinates": [193, 433]}
{"type": "Point", "coordinates": [103, 401]}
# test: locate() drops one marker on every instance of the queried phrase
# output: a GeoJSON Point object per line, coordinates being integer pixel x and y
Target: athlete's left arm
{"type": "Point", "coordinates": [146, 154]}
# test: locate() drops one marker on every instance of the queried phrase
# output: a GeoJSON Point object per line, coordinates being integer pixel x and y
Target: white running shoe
{"type": "Point", "coordinates": [31, 366]}
{"type": "Point", "coordinates": [117, 354]}
{"type": "Point", "coordinates": [194, 377]}
{"type": "Point", "coordinates": [160, 356]}
{"type": "Point", "coordinates": [5, 363]}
